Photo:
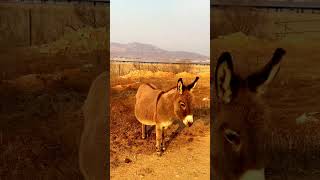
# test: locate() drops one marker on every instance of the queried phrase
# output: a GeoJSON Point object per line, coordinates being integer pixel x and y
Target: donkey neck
{"type": "Point", "coordinates": [167, 98]}
{"type": "Point", "coordinates": [165, 105]}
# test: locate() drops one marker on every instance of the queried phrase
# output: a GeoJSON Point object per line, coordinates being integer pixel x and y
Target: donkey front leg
{"type": "Point", "coordinates": [163, 147]}
{"type": "Point", "coordinates": [158, 139]}
{"type": "Point", "coordinates": [143, 131]}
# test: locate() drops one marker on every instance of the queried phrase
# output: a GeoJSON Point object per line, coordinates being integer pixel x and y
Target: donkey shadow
{"type": "Point", "coordinates": [198, 112]}
{"type": "Point", "coordinates": [169, 134]}
{"type": "Point", "coordinates": [173, 134]}
{"type": "Point", "coordinates": [149, 130]}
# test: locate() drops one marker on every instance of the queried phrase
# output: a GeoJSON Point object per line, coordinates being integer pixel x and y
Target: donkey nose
{"type": "Point", "coordinates": [188, 120]}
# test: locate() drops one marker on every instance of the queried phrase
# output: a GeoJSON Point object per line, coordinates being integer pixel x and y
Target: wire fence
{"type": "Point", "coordinates": [39, 23]}
{"type": "Point", "coordinates": [94, 2]}
{"type": "Point", "coordinates": [290, 27]}
{"type": "Point", "coordinates": [268, 4]}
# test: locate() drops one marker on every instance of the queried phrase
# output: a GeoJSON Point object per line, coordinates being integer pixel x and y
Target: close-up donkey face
{"type": "Point", "coordinates": [183, 102]}
{"type": "Point", "coordinates": [240, 115]}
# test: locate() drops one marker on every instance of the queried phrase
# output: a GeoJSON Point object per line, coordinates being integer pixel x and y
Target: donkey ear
{"type": "Point", "coordinates": [192, 85]}
{"type": "Point", "coordinates": [223, 77]}
{"type": "Point", "coordinates": [180, 86]}
{"type": "Point", "coordinates": [259, 81]}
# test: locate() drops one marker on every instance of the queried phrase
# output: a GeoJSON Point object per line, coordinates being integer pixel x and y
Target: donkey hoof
{"type": "Point", "coordinates": [163, 148]}
{"type": "Point", "coordinates": [143, 137]}
{"type": "Point", "coordinates": [159, 153]}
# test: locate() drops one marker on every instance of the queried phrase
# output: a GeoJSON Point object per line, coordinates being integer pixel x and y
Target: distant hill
{"type": "Point", "coordinates": [151, 53]}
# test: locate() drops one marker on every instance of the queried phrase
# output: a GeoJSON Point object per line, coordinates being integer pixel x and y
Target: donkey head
{"type": "Point", "coordinates": [238, 128]}
{"type": "Point", "coordinates": [183, 102]}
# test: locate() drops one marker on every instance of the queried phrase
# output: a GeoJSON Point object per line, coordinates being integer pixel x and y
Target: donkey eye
{"type": "Point", "coordinates": [232, 137]}
{"type": "Point", "coordinates": [183, 105]}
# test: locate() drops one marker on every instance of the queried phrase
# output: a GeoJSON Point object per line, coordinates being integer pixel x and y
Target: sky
{"type": "Point", "coordinates": [176, 25]}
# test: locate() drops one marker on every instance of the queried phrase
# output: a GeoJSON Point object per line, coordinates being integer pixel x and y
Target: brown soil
{"type": "Point", "coordinates": [40, 117]}
{"type": "Point", "coordinates": [190, 161]}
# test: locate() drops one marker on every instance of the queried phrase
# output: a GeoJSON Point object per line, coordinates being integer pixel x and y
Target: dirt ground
{"type": "Point", "coordinates": [40, 117]}
{"type": "Point", "coordinates": [190, 161]}
{"type": "Point", "coordinates": [188, 149]}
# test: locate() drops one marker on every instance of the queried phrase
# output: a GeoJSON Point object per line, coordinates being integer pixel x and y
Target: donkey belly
{"type": "Point", "coordinates": [143, 116]}
{"type": "Point", "coordinates": [147, 122]}
{"type": "Point", "coordinates": [146, 99]}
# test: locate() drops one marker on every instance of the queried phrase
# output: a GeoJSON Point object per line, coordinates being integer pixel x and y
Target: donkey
{"type": "Point", "coordinates": [240, 125]}
{"type": "Point", "coordinates": [156, 107]}
{"type": "Point", "coordinates": [93, 144]}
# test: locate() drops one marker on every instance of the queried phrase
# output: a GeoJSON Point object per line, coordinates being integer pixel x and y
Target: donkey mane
{"type": "Point", "coordinates": [156, 88]}
{"type": "Point", "coordinates": [151, 85]}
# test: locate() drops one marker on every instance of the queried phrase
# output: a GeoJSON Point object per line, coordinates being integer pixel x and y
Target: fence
{"type": "Point", "coordinates": [288, 27]}
{"type": "Point", "coordinates": [119, 68]}
{"type": "Point", "coordinates": [26, 24]}
{"type": "Point", "coordinates": [94, 2]}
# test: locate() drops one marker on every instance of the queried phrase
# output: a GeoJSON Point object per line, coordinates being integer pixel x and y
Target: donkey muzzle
{"type": "Point", "coordinates": [257, 174]}
{"type": "Point", "coordinates": [188, 120]}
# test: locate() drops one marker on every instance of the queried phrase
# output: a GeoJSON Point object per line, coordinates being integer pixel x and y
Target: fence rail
{"type": "Point", "coordinates": [149, 62]}
{"type": "Point", "coordinates": [268, 4]}
{"type": "Point", "coordinates": [288, 29]}
{"type": "Point", "coordinates": [298, 21]}
{"type": "Point", "coordinates": [94, 2]}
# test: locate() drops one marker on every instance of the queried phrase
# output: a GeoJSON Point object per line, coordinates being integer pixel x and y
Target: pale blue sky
{"type": "Point", "coordinates": [182, 25]}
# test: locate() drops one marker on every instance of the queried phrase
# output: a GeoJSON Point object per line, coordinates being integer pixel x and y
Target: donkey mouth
{"type": "Point", "coordinates": [188, 120]}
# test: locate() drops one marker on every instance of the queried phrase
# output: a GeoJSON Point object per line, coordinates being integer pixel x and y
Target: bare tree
{"type": "Point", "coordinates": [247, 20]}
{"type": "Point", "coordinates": [89, 16]}
{"type": "Point", "coordinates": [86, 14]}
{"type": "Point", "coordinates": [243, 19]}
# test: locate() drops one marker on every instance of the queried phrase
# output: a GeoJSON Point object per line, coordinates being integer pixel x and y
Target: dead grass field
{"type": "Point", "coordinates": [293, 92]}
{"type": "Point", "coordinates": [125, 129]}
{"type": "Point", "coordinates": [118, 68]}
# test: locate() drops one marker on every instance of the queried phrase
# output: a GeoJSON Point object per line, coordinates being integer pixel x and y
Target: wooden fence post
{"type": "Point", "coordinates": [30, 27]}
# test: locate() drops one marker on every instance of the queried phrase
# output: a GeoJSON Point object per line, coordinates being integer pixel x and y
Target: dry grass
{"type": "Point", "coordinates": [121, 68]}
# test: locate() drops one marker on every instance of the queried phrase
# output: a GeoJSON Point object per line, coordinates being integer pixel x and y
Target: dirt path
{"type": "Point", "coordinates": [191, 161]}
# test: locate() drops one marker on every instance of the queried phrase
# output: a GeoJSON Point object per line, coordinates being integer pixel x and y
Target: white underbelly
{"type": "Point", "coordinates": [147, 122]}
{"type": "Point", "coordinates": [165, 124]}
{"type": "Point", "coordinates": [253, 174]}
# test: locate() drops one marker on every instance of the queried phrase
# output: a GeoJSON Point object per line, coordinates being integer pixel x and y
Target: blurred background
{"type": "Point", "coordinates": [50, 52]}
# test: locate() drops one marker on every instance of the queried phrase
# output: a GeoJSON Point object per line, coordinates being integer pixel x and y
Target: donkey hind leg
{"type": "Point", "coordinates": [163, 145]}
{"type": "Point", "coordinates": [143, 132]}
{"type": "Point", "coordinates": [158, 139]}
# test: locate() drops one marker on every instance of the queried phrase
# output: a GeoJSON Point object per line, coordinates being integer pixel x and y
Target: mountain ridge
{"type": "Point", "coordinates": [149, 52]}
